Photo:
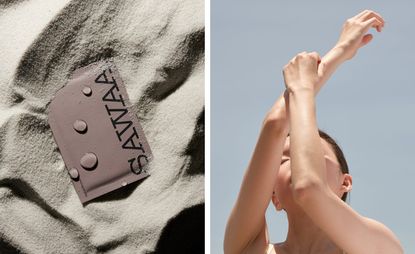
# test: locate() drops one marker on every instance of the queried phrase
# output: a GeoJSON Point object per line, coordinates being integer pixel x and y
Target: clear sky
{"type": "Point", "coordinates": [368, 106]}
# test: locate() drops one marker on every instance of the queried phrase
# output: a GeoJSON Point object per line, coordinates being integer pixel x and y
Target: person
{"type": "Point", "coordinates": [302, 170]}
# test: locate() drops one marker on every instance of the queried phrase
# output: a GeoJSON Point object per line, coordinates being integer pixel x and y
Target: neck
{"type": "Point", "coordinates": [305, 237]}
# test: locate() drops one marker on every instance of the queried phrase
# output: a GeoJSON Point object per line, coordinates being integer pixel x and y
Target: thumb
{"type": "Point", "coordinates": [366, 39]}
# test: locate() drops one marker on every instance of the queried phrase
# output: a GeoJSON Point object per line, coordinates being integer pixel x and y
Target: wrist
{"type": "Point", "coordinates": [277, 117]}
{"type": "Point", "coordinates": [309, 90]}
{"type": "Point", "coordinates": [300, 96]}
{"type": "Point", "coordinates": [329, 63]}
{"type": "Point", "coordinates": [338, 53]}
{"type": "Point", "coordinates": [275, 125]}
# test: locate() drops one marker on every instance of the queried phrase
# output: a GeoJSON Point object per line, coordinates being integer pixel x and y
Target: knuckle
{"type": "Point", "coordinates": [361, 28]}
{"type": "Point", "coordinates": [349, 23]}
{"type": "Point", "coordinates": [358, 24]}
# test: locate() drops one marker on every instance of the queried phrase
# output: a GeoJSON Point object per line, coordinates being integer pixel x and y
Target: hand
{"type": "Point", "coordinates": [353, 35]}
{"type": "Point", "coordinates": [301, 73]}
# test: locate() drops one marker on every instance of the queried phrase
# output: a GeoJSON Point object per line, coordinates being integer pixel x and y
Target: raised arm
{"type": "Point", "coordinates": [349, 230]}
{"type": "Point", "coordinates": [247, 218]}
{"type": "Point", "coordinates": [246, 224]}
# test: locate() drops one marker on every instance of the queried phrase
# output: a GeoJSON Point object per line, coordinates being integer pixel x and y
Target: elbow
{"type": "Point", "coordinates": [395, 249]}
{"type": "Point", "coordinates": [305, 189]}
{"type": "Point", "coordinates": [399, 250]}
{"type": "Point", "coordinates": [389, 247]}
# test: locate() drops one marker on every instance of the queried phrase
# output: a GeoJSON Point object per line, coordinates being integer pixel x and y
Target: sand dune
{"type": "Point", "coordinates": [158, 48]}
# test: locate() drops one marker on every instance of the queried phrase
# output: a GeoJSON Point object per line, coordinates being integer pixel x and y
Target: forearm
{"type": "Point", "coordinates": [307, 154]}
{"type": "Point", "coordinates": [277, 117]}
{"type": "Point", "coordinates": [312, 193]}
{"type": "Point", "coordinates": [259, 178]}
{"type": "Point", "coordinates": [329, 63]}
{"type": "Point", "coordinates": [247, 217]}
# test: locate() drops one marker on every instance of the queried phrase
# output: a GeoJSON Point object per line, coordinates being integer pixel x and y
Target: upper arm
{"type": "Point", "coordinates": [348, 229]}
{"type": "Point", "coordinates": [256, 244]}
{"type": "Point", "coordinates": [260, 243]}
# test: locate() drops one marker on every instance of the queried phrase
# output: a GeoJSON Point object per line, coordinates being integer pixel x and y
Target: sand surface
{"type": "Point", "coordinates": [158, 48]}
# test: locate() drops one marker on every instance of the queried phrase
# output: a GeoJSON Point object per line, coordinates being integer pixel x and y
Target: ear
{"type": "Point", "coordinates": [276, 202]}
{"type": "Point", "coordinates": [347, 183]}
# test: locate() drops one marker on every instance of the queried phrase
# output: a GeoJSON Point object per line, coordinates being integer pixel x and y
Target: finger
{"type": "Point", "coordinates": [297, 57]}
{"type": "Point", "coordinates": [373, 22]}
{"type": "Point", "coordinates": [361, 14]}
{"type": "Point", "coordinates": [366, 39]}
{"type": "Point", "coordinates": [316, 56]}
{"type": "Point", "coordinates": [292, 59]}
{"type": "Point", "coordinates": [374, 14]}
{"type": "Point", "coordinates": [370, 15]}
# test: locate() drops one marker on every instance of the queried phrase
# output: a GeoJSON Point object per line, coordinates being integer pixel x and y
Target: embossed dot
{"type": "Point", "coordinates": [124, 183]}
{"type": "Point", "coordinates": [80, 126]}
{"type": "Point", "coordinates": [73, 172]}
{"type": "Point", "coordinates": [89, 161]}
{"type": "Point", "coordinates": [87, 91]}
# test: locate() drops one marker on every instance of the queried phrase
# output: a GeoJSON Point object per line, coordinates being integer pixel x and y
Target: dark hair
{"type": "Point", "coordinates": [339, 155]}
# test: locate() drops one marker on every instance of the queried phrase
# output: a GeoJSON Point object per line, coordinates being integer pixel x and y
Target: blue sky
{"type": "Point", "coordinates": [368, 106]}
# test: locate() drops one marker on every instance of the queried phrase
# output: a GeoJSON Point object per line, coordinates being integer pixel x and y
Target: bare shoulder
{"type": "Point", "coordinates": [382, 231]}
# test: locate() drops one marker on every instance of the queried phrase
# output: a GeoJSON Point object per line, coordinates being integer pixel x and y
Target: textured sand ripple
{"type": "Point", "coordinates": [158, 47]}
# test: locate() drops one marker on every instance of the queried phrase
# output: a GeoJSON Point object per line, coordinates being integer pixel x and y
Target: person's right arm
{"type": "Point", "coordinates": [247, 218]}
